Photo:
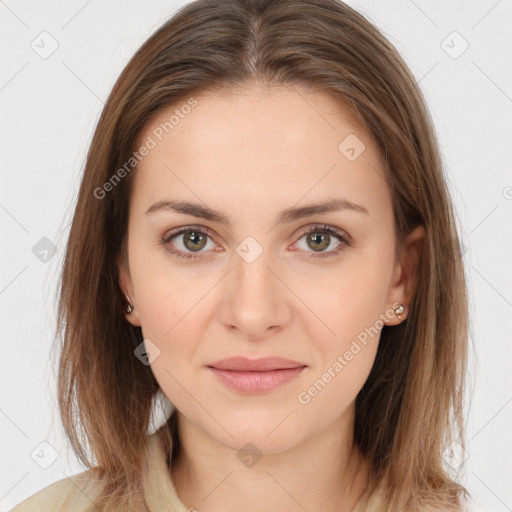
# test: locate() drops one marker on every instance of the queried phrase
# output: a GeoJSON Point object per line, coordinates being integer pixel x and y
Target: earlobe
{"type": "Point", "coordinates": [131, 314]}
{"type": "Point", "coordinates": [129, 307]}
{"type": "Point", "coordinates": [125, 283]}
{"type": "Point", "coordinates": [395, 315]}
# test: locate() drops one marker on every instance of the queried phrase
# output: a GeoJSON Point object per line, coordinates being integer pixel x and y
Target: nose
{"type": "Point", "coordinates": [254, 299]}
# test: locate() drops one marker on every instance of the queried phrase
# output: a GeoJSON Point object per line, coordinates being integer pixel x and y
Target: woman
{"type": "Point", "coordinates": [263, 235]}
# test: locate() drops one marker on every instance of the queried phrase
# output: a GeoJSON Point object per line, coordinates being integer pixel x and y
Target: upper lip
{"type": "Point", "coordinates": [255, 365]}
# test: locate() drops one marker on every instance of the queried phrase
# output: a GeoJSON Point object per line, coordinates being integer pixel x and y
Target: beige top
{"type": "Point", "coordinates": [76, 493]}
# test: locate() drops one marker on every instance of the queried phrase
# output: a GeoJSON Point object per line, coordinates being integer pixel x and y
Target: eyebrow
{"type": "Point", "coordinates": [286, 216]}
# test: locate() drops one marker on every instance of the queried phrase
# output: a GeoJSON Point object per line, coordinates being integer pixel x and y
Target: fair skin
{"type": "Point", "coordinates": [251, 155]}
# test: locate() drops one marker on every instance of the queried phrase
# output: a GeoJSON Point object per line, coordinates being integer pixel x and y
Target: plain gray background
{"type": "Point", "coordinates": [49, 105]}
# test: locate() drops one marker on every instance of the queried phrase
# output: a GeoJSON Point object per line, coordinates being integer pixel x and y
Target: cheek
{"type": "Point", "coordinates": [347, 348]}
{"type": "Point", "coordinates": [346, 299]}
{"type": "Point", "coordinates": [173, 325]}
{"type": "Point", "coordinates": [166, 307]}
{"type": "Point", "coordinates": [170, 318]}
{"type": "Point", "coordinates": [174, 313]}
{"type": "Point", "coordinates": [330, 392]}
{"type": "Point", "coordinates": [164, 293]}
{"type": "Point", "coordinates": [346, 328]}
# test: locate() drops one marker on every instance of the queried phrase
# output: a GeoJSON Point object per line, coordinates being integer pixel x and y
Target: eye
{"type": "Point", "coordinates": [193, 239]}
{"type": "Point", "coordinates": [320, 237]}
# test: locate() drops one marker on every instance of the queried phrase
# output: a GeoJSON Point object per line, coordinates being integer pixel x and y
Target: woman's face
{"type": "Point", "coordinates": [252, 282]}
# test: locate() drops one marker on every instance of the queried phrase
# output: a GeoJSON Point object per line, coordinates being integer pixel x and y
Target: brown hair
{"type": "Point", "coordinates": [411, 407]}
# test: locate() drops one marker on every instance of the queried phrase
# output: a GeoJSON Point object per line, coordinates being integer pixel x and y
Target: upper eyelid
{"type": "Point", "coordinates": [184, 229]}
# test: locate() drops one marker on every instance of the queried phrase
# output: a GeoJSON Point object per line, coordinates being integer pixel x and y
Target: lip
{"type": "Point", "coordinates": [253, 376]}
{"type": "Point", "coordinates": [243, 364]}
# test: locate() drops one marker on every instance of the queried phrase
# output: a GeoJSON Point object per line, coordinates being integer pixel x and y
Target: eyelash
{"type": "Point", "coordinates": [319, 228]}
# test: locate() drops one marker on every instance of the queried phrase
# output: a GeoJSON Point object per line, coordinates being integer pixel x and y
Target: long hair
{"type": "Point", "coordinates": [411, 409]}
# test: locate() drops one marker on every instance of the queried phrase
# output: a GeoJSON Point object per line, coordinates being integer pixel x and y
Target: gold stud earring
{"type": "Point", "coordinates": [399, 310]}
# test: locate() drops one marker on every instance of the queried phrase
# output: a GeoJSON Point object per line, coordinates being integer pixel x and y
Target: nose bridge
{"type": "Point", "coordinates": [254, 278]}
{"type": "Point", "coordinates": [252, 261]}
{"type": "Point", "coordinates": [254, 301]}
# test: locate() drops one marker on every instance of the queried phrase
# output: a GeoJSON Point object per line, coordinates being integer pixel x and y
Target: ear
{"type": "Point", "coordinates": [405, 274]}
{"type": "Point", "coordinates": [126, 285]}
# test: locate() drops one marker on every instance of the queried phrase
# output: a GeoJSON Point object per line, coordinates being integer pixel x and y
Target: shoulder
{"type": "Point", "coordinates": [373, 500]}
{"type": "Point", "coordinates": [71, 494]}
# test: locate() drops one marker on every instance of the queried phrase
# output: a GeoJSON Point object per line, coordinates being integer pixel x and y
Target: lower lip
{"type": "Point", "coordinates": [256, 382]}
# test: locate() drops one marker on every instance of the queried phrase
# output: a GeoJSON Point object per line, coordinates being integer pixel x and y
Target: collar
{"type": "Point", "coordinates": [159, 491]}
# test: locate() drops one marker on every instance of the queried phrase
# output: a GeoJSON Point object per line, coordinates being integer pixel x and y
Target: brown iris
{"type": "Point", "coordinates": [322, 238]}
{"type": "Point", "coordinates": [196, 240]}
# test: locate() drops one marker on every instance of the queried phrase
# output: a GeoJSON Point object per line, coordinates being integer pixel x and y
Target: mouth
{"type": "Point", "coordinates": [253, 376]}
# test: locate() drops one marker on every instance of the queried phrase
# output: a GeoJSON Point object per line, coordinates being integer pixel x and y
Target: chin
{"type": "Point", "coordinates": [271, 431]}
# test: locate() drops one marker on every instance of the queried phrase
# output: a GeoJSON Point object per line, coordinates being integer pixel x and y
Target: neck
{"type": "Point", "coordinates": [323, 472]}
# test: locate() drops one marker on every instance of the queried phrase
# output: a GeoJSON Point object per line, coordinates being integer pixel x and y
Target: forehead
{"type": "Point", "coordinates": [258, 142]}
